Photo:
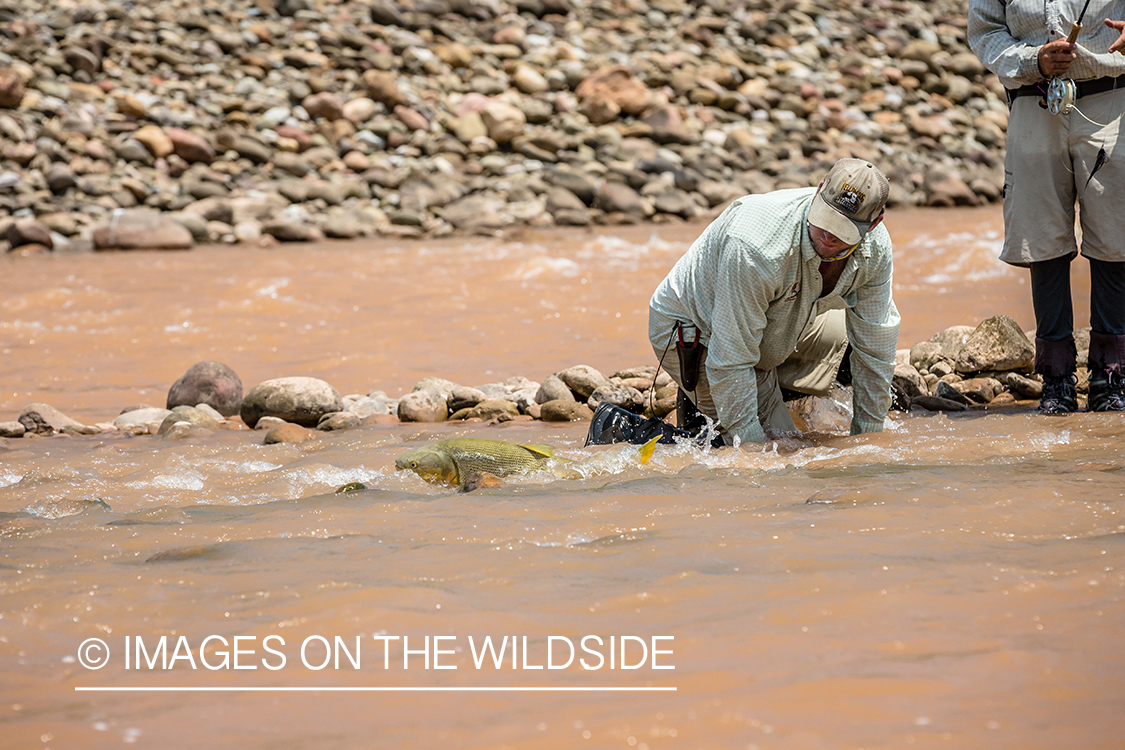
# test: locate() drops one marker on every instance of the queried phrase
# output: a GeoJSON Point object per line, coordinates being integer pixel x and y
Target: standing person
{"type": "Point", "coordinates": [1054, 161]}
{"type": "Point", "coordinates": [772, 293]}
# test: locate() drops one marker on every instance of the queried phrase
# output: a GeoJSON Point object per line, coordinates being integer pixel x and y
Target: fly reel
{"type": "Point", "coordinates": [1060, 96]}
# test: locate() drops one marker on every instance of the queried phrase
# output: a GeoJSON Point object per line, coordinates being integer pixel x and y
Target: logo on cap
{"type": "Point", "coordinates": [849, 198]}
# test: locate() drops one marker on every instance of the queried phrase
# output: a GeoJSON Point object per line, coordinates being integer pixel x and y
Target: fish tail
{"type": "Point", "coordinates": [647, 449]}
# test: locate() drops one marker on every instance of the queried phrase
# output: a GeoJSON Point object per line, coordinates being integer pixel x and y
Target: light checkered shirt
{"type": "Point", "coordinates": [751, 282]}
{"type": "Point", "coordinates": [1007, 36]}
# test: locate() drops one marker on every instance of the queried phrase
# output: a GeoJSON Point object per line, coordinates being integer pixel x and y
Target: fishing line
{"type": "Point", "coordinates": [659, 366]}
{"type": "Point", "coordinates": [1102, 156]}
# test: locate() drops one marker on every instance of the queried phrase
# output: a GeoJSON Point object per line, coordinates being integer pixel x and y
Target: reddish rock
{"type": "Point", "coordinates": [211, 383]}
{"type": "Point", "coordinates": [324, 104]}
{"type": "Point", "coordinates": [411, 119]}
{"type": "Point", "coordinates": [191, 147]}
{"type": "Point", "coordinates": [617, 84]}
{"type": "Point", "coordinates": [303, 139]}
{"type": "Point", "coordinates": [11, 88]}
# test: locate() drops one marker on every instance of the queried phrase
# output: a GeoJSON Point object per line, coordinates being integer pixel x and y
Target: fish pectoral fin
{"type": "Point", "coordinates": [647, 449]}
{"type": "Point", "coordinates": [546, 451]}
{"type": "Point", "coordinates": [478, 479]}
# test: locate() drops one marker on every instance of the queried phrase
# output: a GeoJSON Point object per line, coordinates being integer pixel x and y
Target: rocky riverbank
{"type": "Point", "coordinates": [958, 369]}
{"type": "Point", "coordinates": [161, 125]}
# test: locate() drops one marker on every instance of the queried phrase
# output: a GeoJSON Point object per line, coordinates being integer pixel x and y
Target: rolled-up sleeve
{"type": "Point", "coordinates": [999, 51]}
{"type": "Point", "coordinates": [742, 294]}
{"type": "Point", "coordinates": [873, 324]}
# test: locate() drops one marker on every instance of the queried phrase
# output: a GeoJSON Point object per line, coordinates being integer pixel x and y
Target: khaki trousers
{"type": "Point", "coordinates": [811, 369]}
{"type": "Point", "coordinates": [1047, 169]}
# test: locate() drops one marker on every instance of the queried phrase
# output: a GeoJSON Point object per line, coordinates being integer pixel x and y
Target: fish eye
{"type": "Point", "coordinates": [413, 464]}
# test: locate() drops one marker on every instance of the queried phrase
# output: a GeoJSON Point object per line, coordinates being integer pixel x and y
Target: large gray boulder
{"type": "Point", "coordinates": [298, 400]}
{"type": "Point", "coordinates": [618, 394]}
{"type": "Point", "coordinates": [997, 344]}
{"type": "Point", "coordinates": [944, 346]}
{"type": "Point", "coordinates": [583, 380]}
{"type": "Point", "coordinates": [426, 405]}
{"type": "Point", "coordinates": [464, 397]}
{"type": "Point", "coordinates": [211, 383]}
{"type": "Point", "coordinates": [553, 389]}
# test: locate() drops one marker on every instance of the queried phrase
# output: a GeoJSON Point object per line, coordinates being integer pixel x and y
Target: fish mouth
{"type": "Point", "coordinates": [433, 477]}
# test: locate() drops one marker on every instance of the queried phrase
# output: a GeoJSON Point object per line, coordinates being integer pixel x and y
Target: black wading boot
{"type": "Point", "coordinates": [1059, 395]}
{"type": "Point", "coordinates": [612, 424]}
{"type": "Point", "coordinates": [1054, 360]}
{"type": "Point", "coordinates": [1107, 391]}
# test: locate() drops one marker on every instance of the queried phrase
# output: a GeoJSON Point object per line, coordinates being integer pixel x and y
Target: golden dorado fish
{"type": "Point", "coordinates": [453, 461]}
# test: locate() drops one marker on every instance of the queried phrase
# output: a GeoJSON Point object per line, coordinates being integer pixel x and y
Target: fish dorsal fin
{"type": "Point", "coordinates": [545, 451]}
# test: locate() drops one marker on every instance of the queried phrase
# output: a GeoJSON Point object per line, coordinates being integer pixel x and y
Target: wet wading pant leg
{"type": "Point", "coordinates": [1055, 351]}
{"type": "Point", "coordinates": [1107, 316]}
{"type": "Point", "coordinates": [811, 369]}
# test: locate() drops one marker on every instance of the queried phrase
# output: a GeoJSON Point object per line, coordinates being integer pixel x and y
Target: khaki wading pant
{"type": "Point", "coordinates": [1048, 166]}
{"type": "Point", "coordinates": [811, 369]}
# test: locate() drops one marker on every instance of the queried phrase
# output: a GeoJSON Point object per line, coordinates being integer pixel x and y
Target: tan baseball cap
{"type": "Point", "coordinates": [853, 195]}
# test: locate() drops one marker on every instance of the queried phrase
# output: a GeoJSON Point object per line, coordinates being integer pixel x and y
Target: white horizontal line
{"type": "Point", "coordinates": [508, 689]}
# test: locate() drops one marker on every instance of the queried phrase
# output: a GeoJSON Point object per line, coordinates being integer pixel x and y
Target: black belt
{"type": "Point", "coordinates": [1082, 88]}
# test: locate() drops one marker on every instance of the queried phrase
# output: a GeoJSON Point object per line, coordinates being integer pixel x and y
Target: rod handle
{"type": "Point", "coordinates": [1074, 33]}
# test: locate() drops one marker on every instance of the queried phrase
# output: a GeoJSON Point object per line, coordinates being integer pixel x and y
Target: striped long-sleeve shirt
{"type": "Point", "coordinates": [1006, 35]}
{"type": "Point", "coordinates": [751, 282]}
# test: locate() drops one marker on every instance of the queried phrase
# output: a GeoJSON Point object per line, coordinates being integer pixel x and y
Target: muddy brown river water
{"type": "Point", "coordinates": [956, 581]}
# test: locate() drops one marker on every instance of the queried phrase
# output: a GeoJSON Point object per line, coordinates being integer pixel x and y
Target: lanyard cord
{"type": "Point", "coordinates": [659, 366]}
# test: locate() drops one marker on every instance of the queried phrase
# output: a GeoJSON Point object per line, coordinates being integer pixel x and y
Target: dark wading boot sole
{"type": "Point", "coordinates": [1107, 393]}
{"type": "Point", "coordinates": [1060, 396]}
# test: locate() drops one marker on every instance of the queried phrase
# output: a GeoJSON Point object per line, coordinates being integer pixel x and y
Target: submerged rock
{"type": "Point", "coordinates": [288, 433]}
{"type": "Point", "coordinates": [43, 419]}
{"type": "Point", "coordinates": [189, 415]}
